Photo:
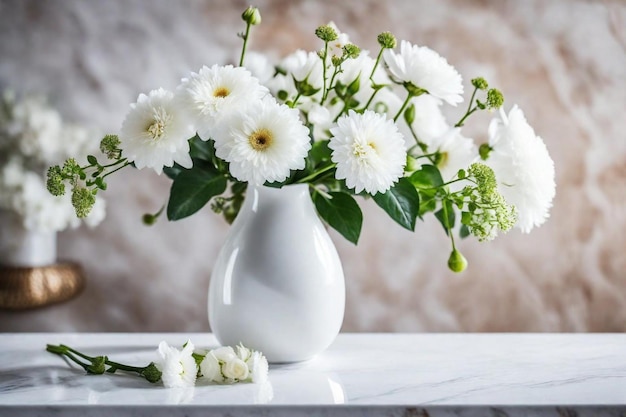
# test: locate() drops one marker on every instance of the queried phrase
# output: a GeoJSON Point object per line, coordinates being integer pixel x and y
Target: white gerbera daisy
{"type": "Point", "coordinates": [155, 133]}
{"type": "Point", "coordinates": [523, 168]}
{"type": "Point", "coordinates": [426, 69]}
{"type": "Point", "coordinates": [264, 143]}
{"type": "Point", "coordinates": [213, 93]}
{"type": "Point", "coordinates": [178, 367]}
{"type": "Point", "coordinates": [368, 150]}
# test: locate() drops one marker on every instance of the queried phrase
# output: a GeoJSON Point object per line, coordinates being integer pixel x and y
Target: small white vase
{"type": "Point", "coordinates": [278, 285]}
{"type": "Point", "coordinates": [20, 247]}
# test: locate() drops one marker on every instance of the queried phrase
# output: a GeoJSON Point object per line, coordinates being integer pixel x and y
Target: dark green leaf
{"type": "Point", "coordinates": [192, 189]}
{"type": "Point", "coordinates": [199, 149]}
{"type": "Point", "coordinates": [441, 215]}
{"type": "Point", "coordinates": [401, 202]}
{"type": "Point", "coordinates": [92, 159]}
{"type": "Point", "coordinates": [428, 201]}
{"type": "Point", "coordinates": [320, 152]}
{"type": "Point", "coordinates": [173, 171]}
{"type": "Point", "coordinates": [427, 177]}
{"type": "Point", "coordinates": [342, 213]}
{"type": "Point", "coordinates": [464, 231]}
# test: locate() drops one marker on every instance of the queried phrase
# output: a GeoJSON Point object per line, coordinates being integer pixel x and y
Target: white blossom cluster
{"type": "Point", "coordinates": [224, 365]}
{"type": "Point", "coordinates": [33, 137]}
{"type": "Point", "coordinates": [263, 119]}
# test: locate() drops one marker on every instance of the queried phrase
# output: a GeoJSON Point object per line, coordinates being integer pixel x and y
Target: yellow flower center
{"type": "Point", "coordinates": [261, 139]}
{"type": "Point", "coordinates": [156, 129]}
{"type": "Point", "coordinates": [361, 151]}
{"type": "Point", "coordinates": [221, 92]}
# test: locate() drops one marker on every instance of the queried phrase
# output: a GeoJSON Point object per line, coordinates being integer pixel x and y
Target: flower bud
{"type": "Point", "coordinates": [82, 200]}
{"type": "Point", "coordinates": [457, 262]}
{"type": "Point", "coordinates": [326, 33]}
{"type": "Point", "coordinates": [54, 183]}
{"type": "Point", "coordinates": [495, 99]}
{"type": "Point", "coordinates": [151, 373]}
{"type": "Point", "coordinates": [480, 83]}
{"type": "Point", "coordinates": [387, 40]}
{"type": "Point", "coordinates": [251, 16]}
{"type": "Point", "coordinates": [484, 150]}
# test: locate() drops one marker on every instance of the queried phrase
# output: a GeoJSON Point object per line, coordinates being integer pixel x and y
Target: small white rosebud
{"type": "Point", "coordinates": [224, 353]}
{"type": "Point", "coordinates": [236, 369]}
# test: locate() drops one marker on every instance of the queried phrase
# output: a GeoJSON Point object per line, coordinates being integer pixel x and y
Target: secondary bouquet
{"type": "Point", "coordinates": [32, 137]}
{"type": "Point", "coordinates": [347, 123]}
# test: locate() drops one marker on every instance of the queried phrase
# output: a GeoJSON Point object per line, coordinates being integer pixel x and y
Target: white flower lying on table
{"type": "Point", "coordinates": [180, 368]}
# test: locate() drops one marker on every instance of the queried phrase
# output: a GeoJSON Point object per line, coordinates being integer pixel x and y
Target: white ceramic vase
{"type": "Point", "coordinates": [278, 285]}
{"type": "Point", "coordinates": [20, 247]}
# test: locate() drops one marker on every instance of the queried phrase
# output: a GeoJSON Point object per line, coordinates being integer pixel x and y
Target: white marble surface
{"type": "Point", "coordinates": [409, 374]}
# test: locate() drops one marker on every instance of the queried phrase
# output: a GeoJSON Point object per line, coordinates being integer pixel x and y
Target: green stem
{"type": "Point", "coordinates": [116, 169]}
{"type": "Point", "coordinates": [469, 110]}
{"type": "Point", "coordinates": [371, 98]}
{"type": "Point", "coordinates": [408, 98]}
{"type": "Point", "coordinates": [324, 71]}
{"type": "Point", "coordinates": [245, 43]}
{"type": "Point", "coordinates": [330, 86]}
{"type": "Point", "coordinates": [70, 352]}
{"type": "Point", "coordinates": [380, 54]}
{"type": "Point", "coordinates": [315, 174]}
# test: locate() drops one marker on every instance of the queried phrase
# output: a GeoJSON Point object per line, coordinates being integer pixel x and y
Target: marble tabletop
{"type": "Point", "coordinates": [359, 375]}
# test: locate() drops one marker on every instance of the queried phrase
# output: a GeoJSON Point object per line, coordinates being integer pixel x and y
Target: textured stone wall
{"type": "Point", "coordinates": [563, 62]}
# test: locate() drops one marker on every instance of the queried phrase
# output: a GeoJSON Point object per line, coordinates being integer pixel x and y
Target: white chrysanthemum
{"type": "Point", "coordinates": [523, 168]}
{"type": "Point", "coordinates": [426, 69]}
{"type": "Point", "coordinates": [236, 370]}
{"type": "Point", "coordinates": [368, 150]}
{"type": "Point", "coordinates": [178, 367]}
{"type": "Point", "coordinates": [155, 133]}
{"type": "Point", "coordinates": [214, 93]}
{"type": "Point", "coordinates": [300, 65]}
{"type": "Point", "coordinates": [257, 363]}
{"type": "Point", "coordinates": [457, 152]}
{"type": "Point", "coordinates": [264, 143]}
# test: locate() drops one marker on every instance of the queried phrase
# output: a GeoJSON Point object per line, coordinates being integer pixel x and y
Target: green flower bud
{"type": "Point", "coordinates": [495, 99]}
{"type": "Point", "coordinates": [456, 261]}
{"type": "Point", "coordinates": [326, 33]}
{"type": "Point", "coordinates": [480, 83]}
{"type": "Point", "coordinates": [387, 40]}
{"type": "Point", "coordinates": [484, 150]}
{"type": "Point", "coordinates": [148, 219]}
{"type": "Point", "coordinates": [54, 183]}
{"type": "Point", "coordinates": [97, 365]}
{"type": "Point", "coordinates": [409, 114]}
{"type": "Point", "coordinates": [351, 51]}
{"type": "Point", "coordinates": [71, 168]}
{"type": "Point", "coordinates": [82, 200]}
{"type": "Point", "coordinates": [109, 145]}
{"type": "Point", "coordinates": [412, 164]}
{"type": "Point", "coordinates": [152, 373]}
{"type": "Point", "coordinates": [251, 15]}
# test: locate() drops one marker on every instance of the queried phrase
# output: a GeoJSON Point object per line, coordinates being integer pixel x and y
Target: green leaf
{"type": "Point", "coordinates": [440, 215]}
{"type": "Point", "coordinates": [192, 189]}
{"type": "Point", "coordinates": [92, 160]}
{"type": "Point", "coordinates": [173, 171]}
{"type": "Point", "coordinates": [464, 231]}
{"type": "Point", "coordinates": [320, 152]}
{"type": "Point", "coordinates": [342, 213]}
{"type": "Point", "coordinates": [199, 149]}
{"type": "Point", "coordinates": [428, 201]}
{"type": "Point", "coordinates": [427, 177]}
{"type": "Point", "coordinates": [401, 202]}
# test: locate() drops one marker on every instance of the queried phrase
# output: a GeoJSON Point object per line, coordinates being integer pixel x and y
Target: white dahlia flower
{"type": "Point", "coordinates": [214, 93]}
{"type": "Point", "coordinates": [368, 150]}
{"type": "Point", "coordinates": [426, 69]}
{"type": "Point", "coordinates": [523, 168]}
{"type": "Point", "coordinates": [264, 143]}
{"type": "Point", "coordinates": [155, 133]}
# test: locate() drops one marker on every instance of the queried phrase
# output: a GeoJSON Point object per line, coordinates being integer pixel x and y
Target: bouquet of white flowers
{"type": "Point", "coordinates": [32, 137]}
{"type": "Point", "coordinates": [344, 122]}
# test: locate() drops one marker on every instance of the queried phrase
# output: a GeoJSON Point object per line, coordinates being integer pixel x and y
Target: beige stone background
{"type": "Point", "coordinates": [563, 62]}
